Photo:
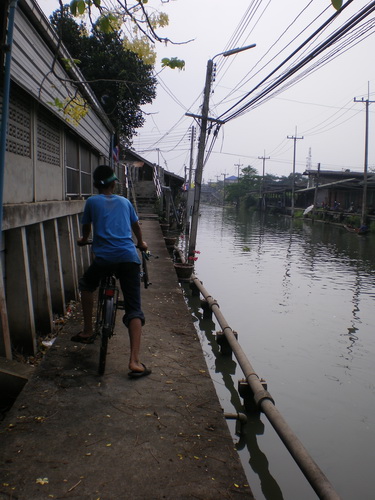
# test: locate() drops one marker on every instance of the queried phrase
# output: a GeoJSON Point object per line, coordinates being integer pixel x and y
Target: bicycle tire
{"type": "Point", "coordinates": [145, 270]}
{"type": "Point", "coordinates": [99, 313]}
{"type": "Point", "coordinates": [108, 317]}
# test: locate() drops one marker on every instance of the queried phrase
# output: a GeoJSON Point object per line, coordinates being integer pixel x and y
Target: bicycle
{"type": "Point", "coordinates": [107, 305]}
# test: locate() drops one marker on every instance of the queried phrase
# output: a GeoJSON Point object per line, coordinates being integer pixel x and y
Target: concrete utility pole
{"type": "Point", "coordinates": [200, 159]}
{"type": "Point", "coordinates": [365, 168]}
{"type": "Point", "coordinates": [225, 176]}
{"type": "Point", "coordinates": [263, 158]}
{"type": "Point", "coordinates": [190, 194]}
{"type": "Point", "coordinates": [295, 138]}
{"type": "Point", "coordinates": [238, 165]}
{"type": "Point", "coordinates": [202, 144]}
{"type": "Point", "coordinates": [316, 191]}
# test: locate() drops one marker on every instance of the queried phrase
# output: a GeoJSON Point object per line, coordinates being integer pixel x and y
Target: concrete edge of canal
{"type": "Point", "coordinates": [73, 434]}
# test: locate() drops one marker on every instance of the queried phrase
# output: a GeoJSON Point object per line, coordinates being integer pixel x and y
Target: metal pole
{"type": "Point", "coordinates": [200, 159]}
{"type": "Point", "coordinates": [5, 106]}
{"type": "Point", "coordinates": [310, 469]}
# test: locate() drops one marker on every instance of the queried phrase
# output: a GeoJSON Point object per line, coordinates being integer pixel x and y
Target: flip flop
{"type": "Point", "coordinates": [83, 340]}
{"type": "Point", "coordinates": [144, 373]}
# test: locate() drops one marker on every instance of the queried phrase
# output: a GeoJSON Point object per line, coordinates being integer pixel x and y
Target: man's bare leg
{"type": "Point", "coordinates": [135, 334]}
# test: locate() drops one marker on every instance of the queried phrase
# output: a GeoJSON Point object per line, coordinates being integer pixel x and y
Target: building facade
{"type": "Point", "coordinates": [48, 165]}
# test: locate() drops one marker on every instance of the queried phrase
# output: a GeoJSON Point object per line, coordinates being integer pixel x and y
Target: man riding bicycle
{"type": "Point", "coordinates": [113, 220]}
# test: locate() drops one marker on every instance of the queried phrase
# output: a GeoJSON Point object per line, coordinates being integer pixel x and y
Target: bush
{"type": "Point", "coordinates": [353, 220]}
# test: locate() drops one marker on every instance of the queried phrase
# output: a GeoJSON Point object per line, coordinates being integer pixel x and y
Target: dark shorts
{"type": "Point", "coordinates": [128, 274]}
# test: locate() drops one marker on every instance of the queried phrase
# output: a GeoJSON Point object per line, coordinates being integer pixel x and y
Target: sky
{"type": "Point", "coordinates": [319, 109]}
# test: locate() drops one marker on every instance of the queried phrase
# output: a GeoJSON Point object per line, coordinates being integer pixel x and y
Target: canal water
{"type": "Point", "coordinates": [301, 298]}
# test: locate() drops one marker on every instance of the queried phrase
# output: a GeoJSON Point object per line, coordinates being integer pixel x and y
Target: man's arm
{"type": "Point", "coordinates": [86, 231]}
{"type": "Point", "coordinates": [142, 245]}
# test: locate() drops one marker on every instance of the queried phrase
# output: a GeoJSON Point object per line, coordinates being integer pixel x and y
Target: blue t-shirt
{"type": "Point", "coordinates": [112, 218]}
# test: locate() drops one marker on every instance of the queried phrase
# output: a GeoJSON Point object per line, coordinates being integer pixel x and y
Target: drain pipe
{"type": "Point", "coordinates": [5, 106]}
{"type": "Point", "coordinates": [264, 401]}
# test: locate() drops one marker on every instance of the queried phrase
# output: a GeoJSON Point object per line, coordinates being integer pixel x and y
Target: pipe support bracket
{"type": "Point", "coordinates": [259, 396]}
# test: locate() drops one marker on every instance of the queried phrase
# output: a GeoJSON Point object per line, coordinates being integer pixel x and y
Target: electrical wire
{"type": "Point", "coordinates": [251, 72]}
{"type": "Point", "coordinates": [274, 84]}
{"type": "Point", "coordinates": [283, 63]}
{"type": "Point", "coordinates": [337, 35]}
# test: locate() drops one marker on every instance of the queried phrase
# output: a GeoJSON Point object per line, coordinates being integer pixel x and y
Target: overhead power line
{"type": "Point", "coordinates": [337, 35]}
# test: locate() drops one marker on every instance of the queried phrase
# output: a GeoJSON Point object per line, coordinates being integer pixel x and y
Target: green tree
{"type": "Point", "coordinates": [246, 189]}
{"type": "Point", "coordinates": [132, 21]}
{"type": "Point", "coordinates": [120, 79]}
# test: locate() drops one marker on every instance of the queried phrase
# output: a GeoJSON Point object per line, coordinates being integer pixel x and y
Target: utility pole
{"type": "Point", "coordinates": [238, 165]}
{"type": "Point", "coordinates": [200, 159]}
{"type": "Point", "coordinates": [225, 175]}
{"type": "Point", "coordinates": [262, 200]}
{"type": "Point", "coordinates": [295, 138]}
{"type": "Point", "coordinates": [190, 194]}
{"type": "Point", "coordinates": [202, 143]}
{"type": "Point", "coordinates": [365, 168]}
{"type": "Point", "coordinates": [316, 191]}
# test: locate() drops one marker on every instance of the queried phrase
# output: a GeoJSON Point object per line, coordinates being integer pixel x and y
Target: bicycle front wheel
{"type": "Point", "coordinates": [108, 315]}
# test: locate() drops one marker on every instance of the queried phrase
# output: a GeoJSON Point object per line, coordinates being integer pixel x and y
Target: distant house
{"type": "Point", "coordinates": [231, 179]}
{"type": "Point", "coordinates": [337, 189]}
{"type": "Point", "coordinates": [48, 172]}
{"type": "Point", "coordinates": [149, 185]}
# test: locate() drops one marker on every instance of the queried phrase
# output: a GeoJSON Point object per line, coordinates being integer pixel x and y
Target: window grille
{"type": "Point", "coordinates": [19, 127]}
{"type": "Point", "coordinates": [48, 139]}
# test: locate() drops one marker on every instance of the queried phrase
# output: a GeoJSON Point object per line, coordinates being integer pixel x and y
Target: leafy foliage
{"type": "Point", "coordinates": [131, 19]}
{"type": "Point", "coordinates": [73, 108]}
{"type": "Point", "coordinates": [121, 81]}
{"type": "Point", "coordinates": [337, 4]}
{"type": "Point", "coordinates": [246, 187]}
{"type": "Point", "coordinates": [173, 63]}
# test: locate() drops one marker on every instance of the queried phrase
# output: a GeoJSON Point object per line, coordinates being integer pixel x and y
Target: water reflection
{"type": "Point", "coordinates": [301, 297]}
{"type": "Point", "coordinates": [226, 367]}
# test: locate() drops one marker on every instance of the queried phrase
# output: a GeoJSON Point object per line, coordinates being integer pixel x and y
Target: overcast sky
{"type": "Point", "coordinates": [320, 106]}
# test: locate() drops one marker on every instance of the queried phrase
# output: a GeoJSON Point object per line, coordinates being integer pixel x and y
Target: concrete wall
{"type": "Point", "coordinates": [41, 267]}
{"type": "Point", "coordinates": [48, 171]}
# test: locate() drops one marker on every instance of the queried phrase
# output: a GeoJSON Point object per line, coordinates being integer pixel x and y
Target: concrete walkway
{"type": "Point", "coordinates": [74, 435]}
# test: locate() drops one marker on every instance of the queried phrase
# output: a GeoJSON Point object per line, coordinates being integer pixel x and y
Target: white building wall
{"type": "Point", "coordinates": [43, 186]}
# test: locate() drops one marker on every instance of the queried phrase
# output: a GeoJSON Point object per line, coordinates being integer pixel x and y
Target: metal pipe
{"type": "Point", "coordinates": [263, 399]}
{"type": "Point", "coordinates": [5, 106]}
{"type": "Point", "coordinates": [236, 416]}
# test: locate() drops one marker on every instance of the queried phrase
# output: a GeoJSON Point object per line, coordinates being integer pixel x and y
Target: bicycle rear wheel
{"type": "Point", "coordinates": [108, 324]}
